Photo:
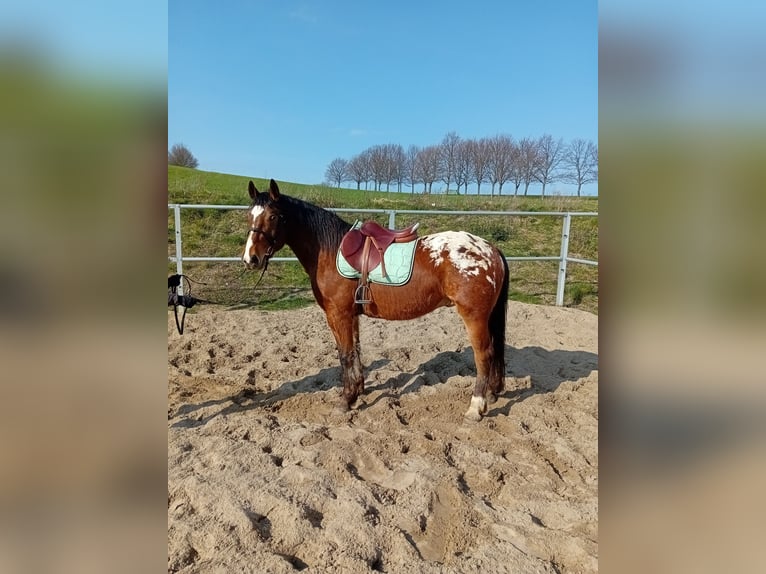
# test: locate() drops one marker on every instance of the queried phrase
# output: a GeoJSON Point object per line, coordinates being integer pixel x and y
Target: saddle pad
{"type": "Point", "coordinates": [399, 259]}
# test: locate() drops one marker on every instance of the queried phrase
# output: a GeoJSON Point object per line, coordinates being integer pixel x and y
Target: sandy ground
{"type": "Point", "coordinates": [264, 475]}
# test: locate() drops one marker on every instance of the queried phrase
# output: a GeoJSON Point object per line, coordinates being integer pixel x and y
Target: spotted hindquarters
{"type": "Point", "coordinates": [476, 277]}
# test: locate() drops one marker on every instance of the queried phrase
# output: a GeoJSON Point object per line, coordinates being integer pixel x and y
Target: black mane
{"type": "Point", "coordinates": [328, 228]}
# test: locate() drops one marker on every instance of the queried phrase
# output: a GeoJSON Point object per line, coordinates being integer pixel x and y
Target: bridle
{"type": "Point", "coordinates": [269, 252]}
{"type": "Point", "coordinates": [272, 241]}
{"type": "Point", "coordinates": [270, 238]}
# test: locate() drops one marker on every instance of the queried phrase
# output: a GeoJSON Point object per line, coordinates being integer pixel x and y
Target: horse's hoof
{"type": "Point", "coordinates": [491, 398]}
{"type": "Point", "coordinates": [472, 416]}
{"type": "Point", "coordinates": [341, 408]}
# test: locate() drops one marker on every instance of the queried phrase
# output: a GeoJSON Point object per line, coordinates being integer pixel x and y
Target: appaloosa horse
{"type": "Point", "coordinates": [450, 268]}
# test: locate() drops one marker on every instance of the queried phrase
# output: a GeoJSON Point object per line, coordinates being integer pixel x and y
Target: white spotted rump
{"type": "Point", "coordinates": [466, 252]}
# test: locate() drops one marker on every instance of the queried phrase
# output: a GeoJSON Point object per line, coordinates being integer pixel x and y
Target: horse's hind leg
{"type": "Point", "coordinates": [478, 334]}
{"type": "Point", "coordinates": [345, 328]}
{"type": "Point", "coordinates": [496, 382]}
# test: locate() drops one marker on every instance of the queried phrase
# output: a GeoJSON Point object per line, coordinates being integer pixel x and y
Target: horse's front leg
{"type": "Point", "coordinates": [345, 328]}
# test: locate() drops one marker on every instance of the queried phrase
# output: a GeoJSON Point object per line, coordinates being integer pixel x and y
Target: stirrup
{"type": "Point", "coordinates": [362, 294]}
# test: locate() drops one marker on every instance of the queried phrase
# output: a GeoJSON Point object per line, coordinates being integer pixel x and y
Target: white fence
{"type": "Point", "coordinates": [563, 256]}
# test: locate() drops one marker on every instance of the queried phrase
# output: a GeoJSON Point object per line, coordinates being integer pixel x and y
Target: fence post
{"type": "Point", "coordinates": [179, 250]}
{"type": "Point", "coordinates": [563, 259]}
{"type": "Point", "coordinates": [392, 219]}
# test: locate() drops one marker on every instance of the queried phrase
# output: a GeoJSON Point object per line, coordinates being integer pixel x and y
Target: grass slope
{"type": "Point", "coordinates": [222, 234]}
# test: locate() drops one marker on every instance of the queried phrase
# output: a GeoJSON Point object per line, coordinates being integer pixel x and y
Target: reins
{"type": "Point", "coordinates": [269, 252]}
{"type": "Point", "coordinates": [265, 266]}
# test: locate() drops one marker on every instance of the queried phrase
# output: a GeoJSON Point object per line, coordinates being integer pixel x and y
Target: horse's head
{"type": "Point", "coordinates": [266, 235]}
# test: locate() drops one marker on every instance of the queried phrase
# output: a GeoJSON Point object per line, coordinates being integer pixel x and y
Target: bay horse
{"type": "Point", "coordinates": [450, 269]}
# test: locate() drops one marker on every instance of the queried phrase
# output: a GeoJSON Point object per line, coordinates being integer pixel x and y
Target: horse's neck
{"type": "Point", "coordinates": [306, 249]}
{"type": "Point", "coordinates": [303, 238]}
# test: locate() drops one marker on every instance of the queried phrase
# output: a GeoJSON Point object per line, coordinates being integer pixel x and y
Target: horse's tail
{"type": "Point", "coordinates": [497, 332]}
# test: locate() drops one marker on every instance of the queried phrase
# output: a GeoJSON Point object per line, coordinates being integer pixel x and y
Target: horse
{"type": "Point", "coordinates": [450, 269]}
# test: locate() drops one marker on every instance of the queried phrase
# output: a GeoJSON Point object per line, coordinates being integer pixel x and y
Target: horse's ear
{"type": "Point", "coordinates": [251, 190]}
{"type": "Point", "coordinates": [273, 190]}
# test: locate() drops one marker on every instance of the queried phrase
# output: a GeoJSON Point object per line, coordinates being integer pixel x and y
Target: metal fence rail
{"type": "Point", "coordinates": [563, 256]}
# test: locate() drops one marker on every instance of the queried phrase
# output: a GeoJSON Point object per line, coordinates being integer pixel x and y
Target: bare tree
{"type": "Point", "coordinates": [527, 161]}
{"type": "Point", "coordinates": [478, 152]}
{"type": "Point", "coordinates": [463, 164]}
{"type": "Point", "coordinates": [359, 169]}
{"type": "Point", "coordinates": [499, 164]}
{"type": "Point", "coordinates": [448, 157]}
{"type": "Point", "coordinates": [337, 171]}
{"type": "Point", "coordinates": [388, 165]}
{"type": "Point", "coordinates": [397, 161]}
{"type": "Point", "coordinates": [517, 168]}
{"type": "Point", "coordinates": [550, 154]}
{"type": "Point", "coordinates": [427, 166]}
{"type": "Point", "coordinates": [179, 154]}
{"type": "Point", "coordinates": [411, 158]}
{"type": "Point", "coordinates": [378, 165]}
{"type": "Point", "coordinates": [580, 163]}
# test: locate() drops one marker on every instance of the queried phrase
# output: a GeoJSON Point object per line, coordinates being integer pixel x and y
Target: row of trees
{"type": "Point", "coordinates": [496, 161]}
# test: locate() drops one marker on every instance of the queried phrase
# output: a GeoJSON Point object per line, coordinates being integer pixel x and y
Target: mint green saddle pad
{"type": "Point", "coordinates": [399, 259]}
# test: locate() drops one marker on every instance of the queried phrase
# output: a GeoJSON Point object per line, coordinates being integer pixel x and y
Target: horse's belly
{"type": "Point", "coordinates": [400, 303]}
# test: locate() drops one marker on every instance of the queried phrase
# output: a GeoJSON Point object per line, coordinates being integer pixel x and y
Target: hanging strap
{"type": "Point", "coordinates": [186, 300]}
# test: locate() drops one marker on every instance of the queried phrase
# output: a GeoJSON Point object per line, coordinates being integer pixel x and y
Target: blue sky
{"type": "Point", "coordinates": [110, 41]}
{"type": "Point", "coordinates": [280, 89]}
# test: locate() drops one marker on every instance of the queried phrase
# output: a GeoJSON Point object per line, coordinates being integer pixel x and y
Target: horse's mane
{"type": "Point", "coordinates": [328, 228]}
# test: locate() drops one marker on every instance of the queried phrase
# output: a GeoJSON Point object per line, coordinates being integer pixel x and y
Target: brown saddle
{"type": "Point", "coordinates": [364, 247]}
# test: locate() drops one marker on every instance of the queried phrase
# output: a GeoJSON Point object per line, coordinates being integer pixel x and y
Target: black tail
{"type": "Point", "coordinates": [497, 332]}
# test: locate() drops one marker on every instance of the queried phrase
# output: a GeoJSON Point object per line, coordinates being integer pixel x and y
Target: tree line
{"type": "Point", "coordinates": [495, 161]}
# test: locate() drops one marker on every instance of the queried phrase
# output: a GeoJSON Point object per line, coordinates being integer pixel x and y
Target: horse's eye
{"type": "Point", "coordinates": [272, 217]}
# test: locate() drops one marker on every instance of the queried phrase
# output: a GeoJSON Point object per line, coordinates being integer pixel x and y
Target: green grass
{"type": "Point", "coordinates": [286, 285]}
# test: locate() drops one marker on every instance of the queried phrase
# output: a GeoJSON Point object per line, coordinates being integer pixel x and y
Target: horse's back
{"type": "Point", "coordinates": [450, 268]}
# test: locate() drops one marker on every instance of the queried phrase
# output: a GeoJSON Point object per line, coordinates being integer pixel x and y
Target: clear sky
{"type": "Point", "coordinates": [281, 88]}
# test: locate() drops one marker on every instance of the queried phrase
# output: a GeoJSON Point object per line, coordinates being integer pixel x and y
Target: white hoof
{"type": "Point", "coordinates": [472, 416]}
{"type": "Point", "coordinates": [476, 410]}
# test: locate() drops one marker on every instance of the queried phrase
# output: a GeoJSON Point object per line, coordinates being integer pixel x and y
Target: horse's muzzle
{"type": "Point", "coordinates": [253, 262]}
